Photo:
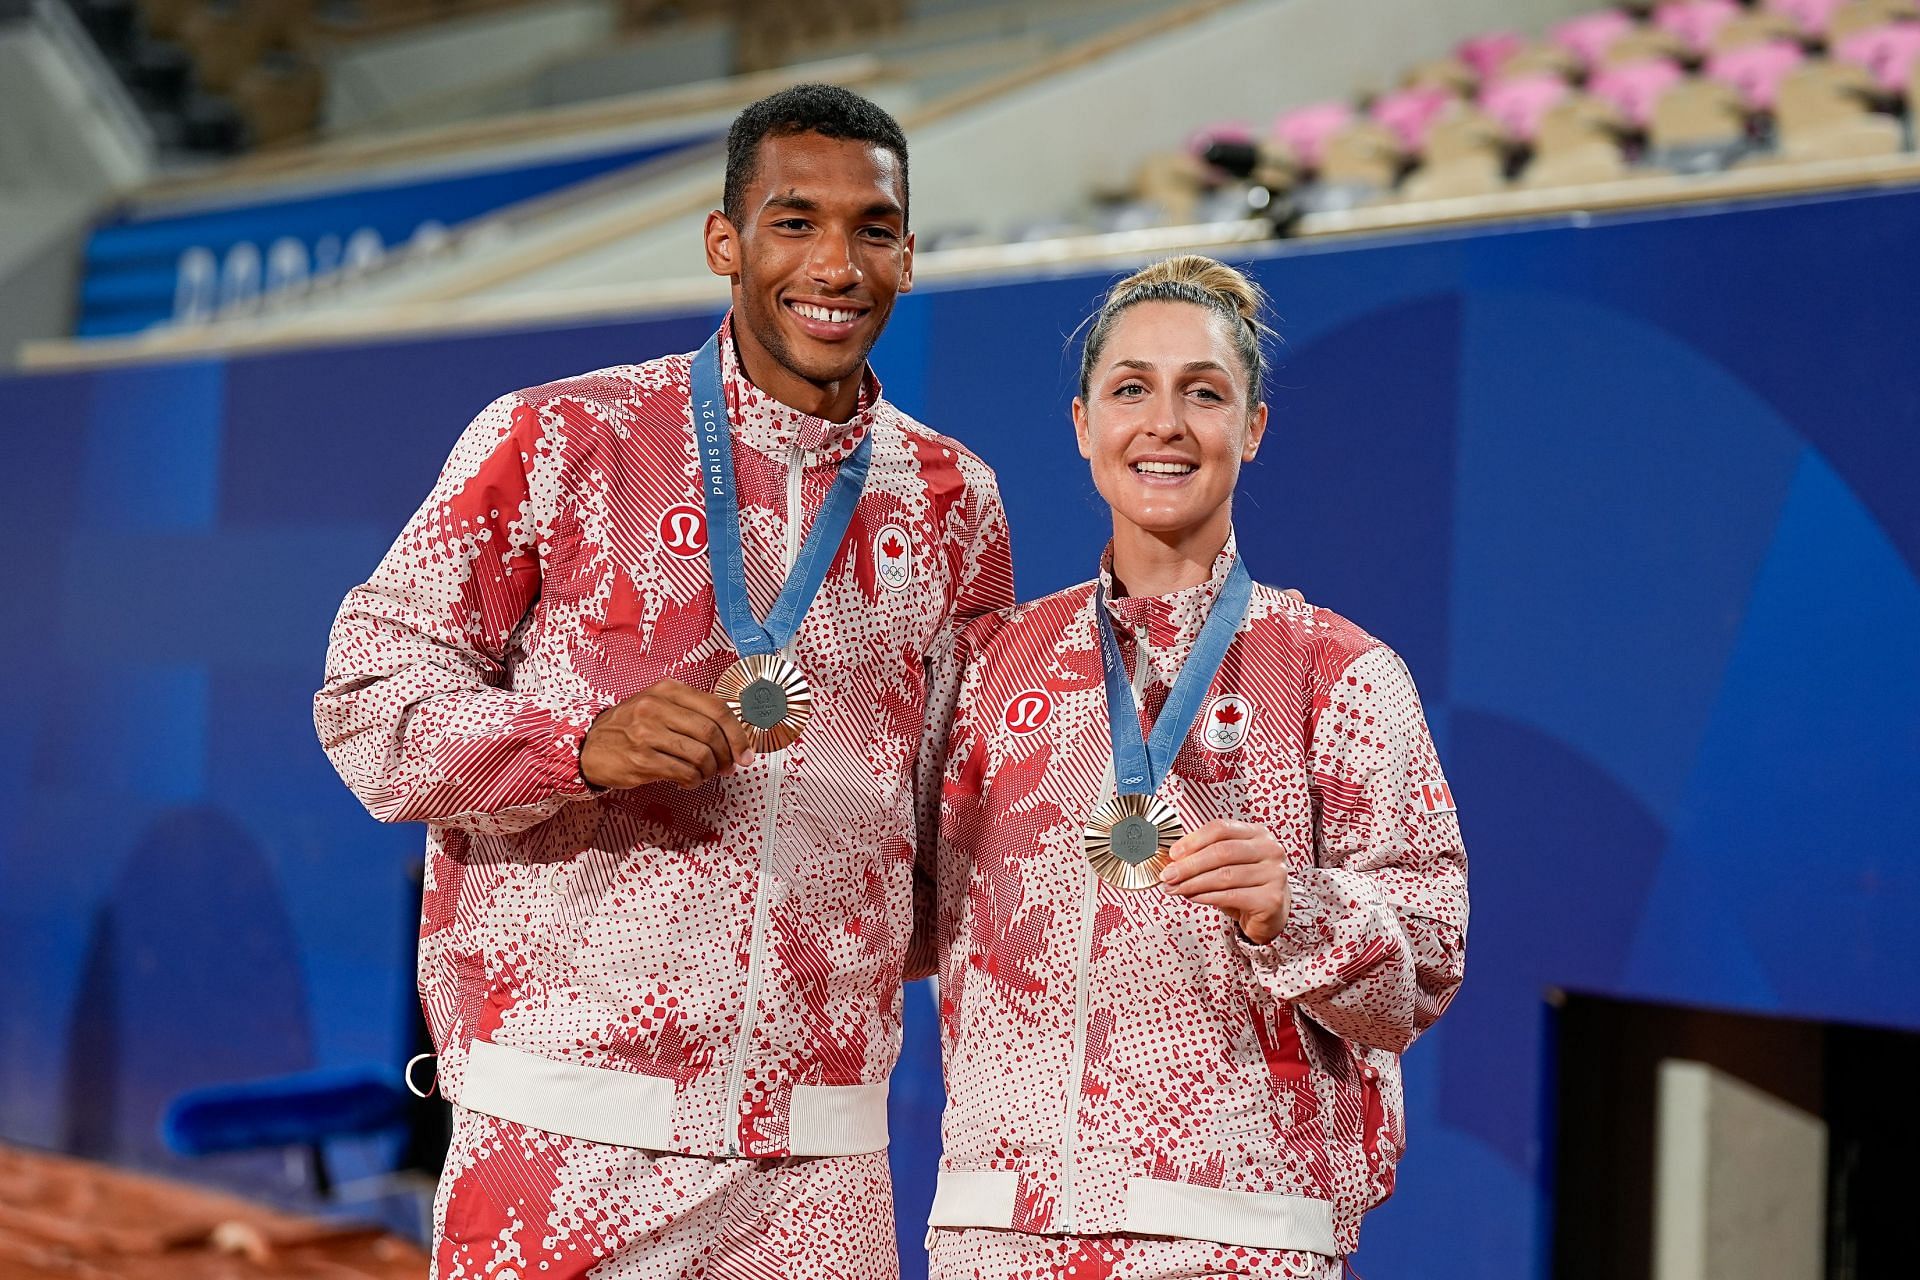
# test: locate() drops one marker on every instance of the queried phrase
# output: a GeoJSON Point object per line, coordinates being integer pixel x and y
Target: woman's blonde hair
{"type": "Point", "coordinates": [1203, 282]}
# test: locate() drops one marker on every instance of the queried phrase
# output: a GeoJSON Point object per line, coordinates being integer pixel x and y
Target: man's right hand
{"type": "Point", "coordinates": [667, 733]}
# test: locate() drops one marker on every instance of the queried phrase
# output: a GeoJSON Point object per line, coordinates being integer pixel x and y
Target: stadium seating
{"type": "Point", "coordinates": [1493, 123]}
{"type": "Point", "coordinates": [225, 75]}
{"type": "Point", "coordinates": [1696, 23]}
{"type": "Point", "coordinates": [1635, 87]}
{"type": "Point", "coordinates": [268, 69]}
{"type": "Point", "coordinates": [1590, 36]}
{"type": "Point", "coordinates": [1306, 132]}
{"type": "Point", "coordinates": [1890, 51]}
{"type": "Point", "coordinates": [1827, 109]}
{"type": "Point", "coordinates": [1811, 16]}
{"type": "Point", "coordinates": [1755, 26]}
{"type": "Point", "coordinates": [1682, 87]}
{"type": "Point", "coordinates": [1520, 103]}
{"type": "Point", "coordinates": [1756, 71]}
{"type": "Point", "coordinates": [186, 62]}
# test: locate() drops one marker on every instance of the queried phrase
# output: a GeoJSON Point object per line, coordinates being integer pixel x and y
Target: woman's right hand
{"type": "Point", "coordinates": [1237, 867]}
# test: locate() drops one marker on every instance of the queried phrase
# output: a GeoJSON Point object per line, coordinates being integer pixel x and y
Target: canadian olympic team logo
{"type": "Point", "coordinates": [1227, 722]}
{"type": "Point", "coordinates": [890, 560]}
{"type": "Point", "coordinates": [1029, 711]}
{"type": "Point", "coordinates": [683, 530]}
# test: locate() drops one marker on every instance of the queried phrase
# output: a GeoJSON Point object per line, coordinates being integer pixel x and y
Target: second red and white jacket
{"type": "Point", "coordinates": [714, 971]}
{"type": "Point", "coordinates": [1126, 1061]}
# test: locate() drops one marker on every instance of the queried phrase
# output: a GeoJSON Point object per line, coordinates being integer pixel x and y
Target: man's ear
{"type": "Point", "coordinates": [723, 245]}
{"type": "Point", "coordinates": [906, 266]}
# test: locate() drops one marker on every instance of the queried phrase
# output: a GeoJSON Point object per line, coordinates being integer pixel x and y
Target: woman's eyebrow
{"type": "Point", "coordinates": [1192, 366]}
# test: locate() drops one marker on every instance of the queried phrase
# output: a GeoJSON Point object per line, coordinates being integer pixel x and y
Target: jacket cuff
{"type": "Point", "coordinates": [570, 725]}
{"type": "Point", "coordinates": [1318, 905]}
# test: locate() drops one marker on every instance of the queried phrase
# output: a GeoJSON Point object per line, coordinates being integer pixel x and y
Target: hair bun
{"type": "Point", "coordinates": [1202, 282]}
{"type": "Point", "coordinates": [1226, 285]}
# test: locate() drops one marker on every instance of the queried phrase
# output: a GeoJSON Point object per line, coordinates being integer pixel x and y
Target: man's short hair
{"type": "Point", "coordinates": [824, 109]}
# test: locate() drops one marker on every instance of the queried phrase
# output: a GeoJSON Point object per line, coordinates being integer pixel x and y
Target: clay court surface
{"type": "Point", "coordinates": [63, 1219]}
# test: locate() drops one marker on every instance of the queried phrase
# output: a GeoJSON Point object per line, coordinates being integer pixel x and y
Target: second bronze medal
{"type": "Point", "coordinates": [1127, 839]}
{"type": "Point", "coordinates": [770, 696]}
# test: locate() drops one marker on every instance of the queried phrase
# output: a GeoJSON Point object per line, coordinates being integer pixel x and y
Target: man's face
{"type": "Point", "coordinates": [819, 255]}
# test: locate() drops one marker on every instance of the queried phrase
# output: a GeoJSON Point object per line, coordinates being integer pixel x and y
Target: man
{"type": "Point", "coordinates": [662, 967]}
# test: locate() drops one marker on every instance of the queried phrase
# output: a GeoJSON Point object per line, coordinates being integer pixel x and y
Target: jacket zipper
{"type": "Point", "coordinates": [776, 774]}
{"type": "Point", "coordinates": [1083, 967]}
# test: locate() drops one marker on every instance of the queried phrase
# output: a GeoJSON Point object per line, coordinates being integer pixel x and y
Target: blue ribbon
{"type": "Point", "coordinates": [713, 434]}
{"type": "Point", "coordinates": [1140, 765]}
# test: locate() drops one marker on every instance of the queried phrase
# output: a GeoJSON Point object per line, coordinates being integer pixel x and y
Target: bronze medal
{"type": "Point", "coordinates": [770, 696]}
{"type": "Point", "coordinates": [1127, 839]}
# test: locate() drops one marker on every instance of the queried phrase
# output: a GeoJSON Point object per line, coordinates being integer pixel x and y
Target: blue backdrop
{"type": "Point", "coordinates": [146, 268]}
{"type": "Point", "coordinates": [1633, 496]}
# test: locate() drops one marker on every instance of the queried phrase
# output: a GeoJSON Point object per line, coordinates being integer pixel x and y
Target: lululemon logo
{"type": "Point", "coordinates": [1028, 711]}
{"type": "Point", "coordinates": [683, 530]}
{"type": "Point", "coordinates": [890, 562]}
{"type": "Point", "coordinates": [1227, 720]}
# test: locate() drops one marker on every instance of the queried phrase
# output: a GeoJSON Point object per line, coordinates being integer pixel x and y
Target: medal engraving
{"type": "Point", "coordinates": [1134, 840]}
{"type": "Point", "coordinates": [763, 704]}
{"type": "Point", "coordinates": [770, 696]}
{"type": "Point", "coordinates": [1127, 839]}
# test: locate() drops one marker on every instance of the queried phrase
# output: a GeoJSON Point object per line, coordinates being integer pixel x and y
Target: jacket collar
{"type": "Point", "coordinates": [775, 429]}
{"type": "Point", "coordinates": [1172, 621]}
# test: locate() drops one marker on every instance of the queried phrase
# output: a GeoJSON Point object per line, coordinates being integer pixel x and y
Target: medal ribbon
{"type": "Point", "coordinates": [713, 434]}
{"type": "Point", "coordinates": [1140, 764]}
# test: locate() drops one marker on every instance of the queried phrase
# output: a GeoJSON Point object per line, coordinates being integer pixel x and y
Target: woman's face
{"type": "Point", "coordinates": [1165, 420]}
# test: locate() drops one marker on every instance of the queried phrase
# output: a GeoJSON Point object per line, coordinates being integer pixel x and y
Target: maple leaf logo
{"type": "Point", "coordinates": [890, 564]}
{"type": "Point", "coordinates": [1227, 728]}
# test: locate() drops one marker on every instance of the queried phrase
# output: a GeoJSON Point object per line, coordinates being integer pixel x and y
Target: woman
{"type": "Point", "coordinates": [1184, 945]}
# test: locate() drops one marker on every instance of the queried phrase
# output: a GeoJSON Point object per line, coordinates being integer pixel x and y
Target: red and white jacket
{"type": "Point", "coordinates": [1125, 1061]}
{"type": "Point", "coordinates": [715, 971]}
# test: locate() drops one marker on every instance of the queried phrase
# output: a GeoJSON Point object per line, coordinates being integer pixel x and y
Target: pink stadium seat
{"type": "Point", "coordinates": [1486, 53]}
{"type": "Point", "coordinates": [1305, 130]}
{"type": "Point", "coordinates": [1889, 52]}
{"type": "Point", "coordinates": [1409, 113]}
{"type": "Point", "coordinates": [1756, 71]}
{"type": "Point", "coordinates": [1812, 15]}
{"type": "Point", "coordinates": [1519, 103]}
{"type": "Point", "coordinates": [1588, 35]}
{"type": "Point", "coordinates": [1756, 26]}
{"type": "Point", "coordinates": [1696, 21]}
{"type": "Point", "coordinates": [1634, 87]}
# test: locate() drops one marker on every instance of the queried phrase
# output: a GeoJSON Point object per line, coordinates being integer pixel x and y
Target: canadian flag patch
{"type": "Point", "coordinates": [891, 564]}
{"type": "Point", "coordinates": [1435, 796]}
{"type": "Point", "coordinates": [1227, 720]}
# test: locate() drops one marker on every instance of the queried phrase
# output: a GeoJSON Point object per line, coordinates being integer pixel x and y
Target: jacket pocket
{"type": "Point", "coordinates": [1380, 1140]}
